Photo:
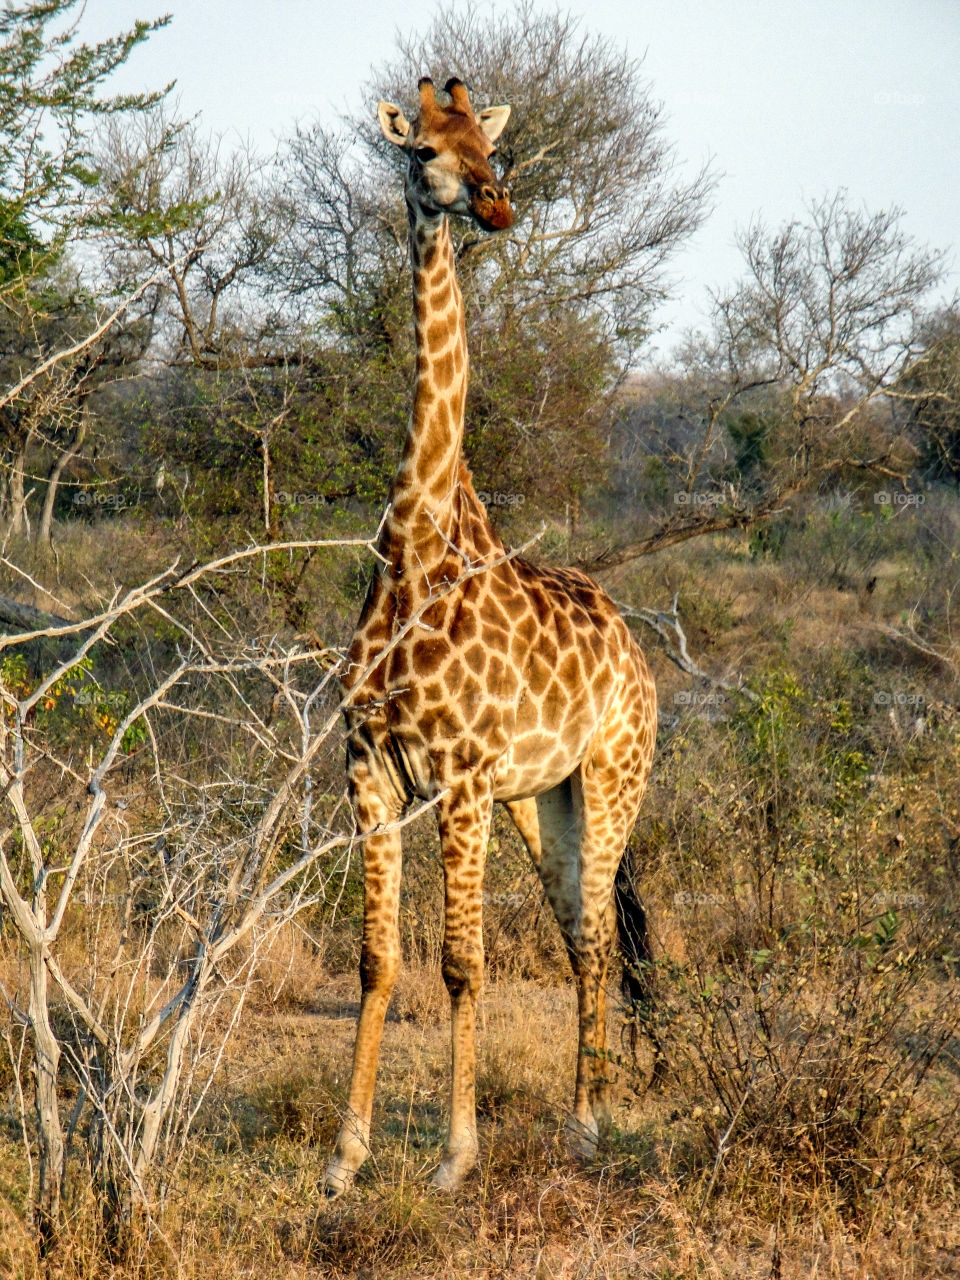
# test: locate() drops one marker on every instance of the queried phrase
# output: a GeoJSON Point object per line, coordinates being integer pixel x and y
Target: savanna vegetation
{"type": "Point", "coordinates": [204, 379]}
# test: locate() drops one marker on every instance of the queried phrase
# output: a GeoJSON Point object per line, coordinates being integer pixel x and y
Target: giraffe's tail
{"type": "Point", "coordinates": [638, 968]}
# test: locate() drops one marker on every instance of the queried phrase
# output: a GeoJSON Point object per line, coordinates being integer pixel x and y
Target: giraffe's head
{"type": "Point", "coordinates": [448, 155]}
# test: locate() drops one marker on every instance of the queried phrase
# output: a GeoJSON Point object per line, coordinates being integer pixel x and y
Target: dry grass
{"type": "Point", "coordinates": [246, 1201]}
{"type": "Point", "coordinates": [779, 837]}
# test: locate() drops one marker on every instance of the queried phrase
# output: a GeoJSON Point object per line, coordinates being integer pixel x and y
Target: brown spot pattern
{"type": "Point", "coordinates": [521, 684]}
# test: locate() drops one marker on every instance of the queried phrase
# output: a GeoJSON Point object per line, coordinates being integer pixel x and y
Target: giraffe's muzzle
{"type": "Point", "coordinates": [491, 207]}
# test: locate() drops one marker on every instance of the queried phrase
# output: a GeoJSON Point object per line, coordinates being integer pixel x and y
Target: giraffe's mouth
{"type": "Point", "coordinates": [492, 213]}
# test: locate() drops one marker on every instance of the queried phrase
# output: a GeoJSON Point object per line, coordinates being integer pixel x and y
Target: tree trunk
{"type": "Point", "coordinates": [13, 497]}
{"type": "Point", "coordinates": [122, 1172]}
{"type": "Point", "coordinates": [16, 499]}
{"type": "Point", "coordinates": [49, 1130]}
{"type": "Point", "coordinates": [572, 514]}
{"type": "Point", "coordinates": [115, 1200]}
{"type": "Point", "coordinates": [44, 529]}
{"type": "Point", "coordinates": [267, 485]}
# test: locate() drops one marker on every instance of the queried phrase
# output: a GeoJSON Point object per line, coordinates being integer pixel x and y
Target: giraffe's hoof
{"type": "Point", "coordinates": [582, 1137]}
{"type": "Point", "coordinates": [337, 1181]}
{"type": "Point", "coordinates": [454, 1167]}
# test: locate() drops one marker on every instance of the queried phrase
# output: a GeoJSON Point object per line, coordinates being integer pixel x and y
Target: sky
{"type": "Point", "coordinates": [788, 99]}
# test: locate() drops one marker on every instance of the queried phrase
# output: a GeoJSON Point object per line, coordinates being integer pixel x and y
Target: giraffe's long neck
{"type": "Point", "coordinates": [425, 485]}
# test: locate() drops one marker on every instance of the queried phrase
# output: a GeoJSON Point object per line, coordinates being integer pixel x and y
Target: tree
{"type": "Point", "coordinates": [204, 220]}
{"type": "Point", "coordinates": [797, 375]}
{"type": "Point", "coordinates": [930, 394]}
{"type": "Point", "coordinates": [49, 203]}
{"type": "Point", "coordinates": [194, 873]}
{"type": "Point", "coordinates": [557, 307]}
{"type": "Point", "coordinates": [248, 379]}
{"type": "Point", "coordinates": [600, 207]}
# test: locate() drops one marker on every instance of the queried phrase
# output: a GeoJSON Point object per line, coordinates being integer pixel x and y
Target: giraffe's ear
{"type": "Point", "coordinates": [395, 127]}
{"type": "Point", "coordinates": [493, 121]}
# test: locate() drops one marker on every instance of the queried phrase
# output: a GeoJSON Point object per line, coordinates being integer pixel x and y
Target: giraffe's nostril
{"type": "Point", "coordinates": [489, 193]}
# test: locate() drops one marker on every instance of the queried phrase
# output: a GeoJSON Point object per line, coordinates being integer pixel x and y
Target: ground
{"type": "Point", "coordinates": [245, 1201]}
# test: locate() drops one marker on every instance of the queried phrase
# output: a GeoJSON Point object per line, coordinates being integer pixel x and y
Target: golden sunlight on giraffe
{"type": "Point", "coordinates": [514, 683]}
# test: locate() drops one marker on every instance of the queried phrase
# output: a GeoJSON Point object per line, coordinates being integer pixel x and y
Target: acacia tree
{"type": "Point", "coordinates": [206, 872]}
{"type": "Point", "coordinates": [930, 396]}
{"type": "Point", "coordinates": [49, 203]}
{"type": "Point", "coordinates": [805, 358]}
{"type": "Point", "coordinates": [557, 306]}
{"type": "Point", "coordinates": [206, 221]}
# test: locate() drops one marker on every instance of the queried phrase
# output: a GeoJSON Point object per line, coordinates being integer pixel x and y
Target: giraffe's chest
{"type": "Point", "coordinates": [475, 683]}
{"type": "Point", "coordinates": [443, 684]}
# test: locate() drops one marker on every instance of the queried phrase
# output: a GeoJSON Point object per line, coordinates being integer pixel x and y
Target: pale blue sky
{"type": "Point", "coordinates": [791, 98]}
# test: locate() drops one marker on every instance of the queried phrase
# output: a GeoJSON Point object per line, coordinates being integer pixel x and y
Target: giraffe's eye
{"type": "Point", "coordinates": [425, 154]}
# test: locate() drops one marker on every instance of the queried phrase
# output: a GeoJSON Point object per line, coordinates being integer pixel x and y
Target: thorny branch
{"type": "Point", "coordinates": [198, 862]}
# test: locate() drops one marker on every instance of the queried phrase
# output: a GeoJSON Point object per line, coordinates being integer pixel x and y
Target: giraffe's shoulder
{"type": "Point", "coordinates": [562, 584]}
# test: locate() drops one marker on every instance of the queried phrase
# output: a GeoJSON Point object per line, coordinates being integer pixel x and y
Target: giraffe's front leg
{"type": "Point", "coordinates": [379, 962]}
{"type": "Point", "coordinates": [464, 832]}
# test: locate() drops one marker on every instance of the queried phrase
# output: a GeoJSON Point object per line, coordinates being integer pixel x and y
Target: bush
{"type": "Point", "coordinates": [806, 983]}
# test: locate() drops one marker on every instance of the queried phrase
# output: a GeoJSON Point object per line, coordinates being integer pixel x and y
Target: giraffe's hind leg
{"type": "Point", "coordinates": [553, 828]}
{"type": "Point", "coordinates": [611, 802]}
{"type": "Point", "coordinates": [576, 834]}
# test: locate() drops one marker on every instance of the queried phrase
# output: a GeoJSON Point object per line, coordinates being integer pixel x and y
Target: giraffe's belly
{"type": "Point", "coordinates": [523, 753]}
{"type": "Point", "coordinates": [518, 781]}
{"type": "Point", "coordinates": [541, 755]}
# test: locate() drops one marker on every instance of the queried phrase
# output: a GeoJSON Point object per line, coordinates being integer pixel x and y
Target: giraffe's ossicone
{"type": "Point", "coordinates": [475, 676]}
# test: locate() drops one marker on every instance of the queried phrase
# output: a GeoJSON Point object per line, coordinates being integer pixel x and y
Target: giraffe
{"type": "Point", "coordinates": [511, 683]}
